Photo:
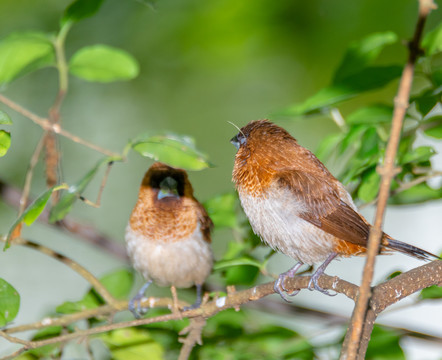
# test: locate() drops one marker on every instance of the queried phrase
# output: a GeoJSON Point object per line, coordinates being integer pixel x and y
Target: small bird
{"type": "Point", "coordinates": [297, 206]}
{"type": "Point", "coordinates": [168, 235]}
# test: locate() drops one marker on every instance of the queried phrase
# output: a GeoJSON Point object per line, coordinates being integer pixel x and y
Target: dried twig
{"type": "Point", "coordinates": [46, 125]}
{"type": "Point", "coordinates": [194, 333]}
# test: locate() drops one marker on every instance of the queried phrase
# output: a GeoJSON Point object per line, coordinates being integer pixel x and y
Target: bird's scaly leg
{"type": "Point", "coordinates": [313, 284]}
{"type": "Point", "coordinates": [137, 299]}
{"type": "Point", "coordinates": [279, 284]}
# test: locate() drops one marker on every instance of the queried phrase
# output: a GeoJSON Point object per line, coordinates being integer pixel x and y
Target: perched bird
{"type": "Point", "coordinates": [168, 235]}
{"type": "Point", "coordinates": [297, 206]}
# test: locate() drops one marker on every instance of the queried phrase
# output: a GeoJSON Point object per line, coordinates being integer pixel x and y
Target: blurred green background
{"type": "Point", "coordinates": [202, 63]}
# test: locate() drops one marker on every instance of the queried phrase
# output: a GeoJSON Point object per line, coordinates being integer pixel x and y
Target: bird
{"type": "Point", "coordinates": [297, 206]}
{"type": "Point", "coordinates": [168, 236]}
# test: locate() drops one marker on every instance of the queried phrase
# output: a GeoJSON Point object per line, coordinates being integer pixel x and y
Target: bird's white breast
{"type": "Point", "coordinates": [273, 216]}
{"type": "Point", "coordinates": [181, 263]}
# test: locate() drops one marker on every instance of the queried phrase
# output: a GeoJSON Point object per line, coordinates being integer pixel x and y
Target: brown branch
{"type": "Point", "coordinates": [72, 264]}
{"type": "Point", "coordinates": [46, 125]}
{"type": "Point", "coordinates": [194, 331]}
{"type": "Point", "coordinates": [352, 347]}
{"type": "Point", "coordinates": [11, 196]}
{"type": "Point", "coordinates": [418, 276]}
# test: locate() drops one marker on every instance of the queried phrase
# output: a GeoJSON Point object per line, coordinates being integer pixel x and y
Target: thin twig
{"type": "Point", "coordinates": [351, 348]}
{"type": "Point", "coordinates": [421, 277]}
{"type": "Point", "coordinates": [194, 336]}
{"type": "Point", "coordinates": [73, 265]}
{"type": "Point", "coordinates": [28, 180]}
{"type": "Point", "coordinates": [97, 202]}
{"type": "Point", "coordinates": [55, 128]}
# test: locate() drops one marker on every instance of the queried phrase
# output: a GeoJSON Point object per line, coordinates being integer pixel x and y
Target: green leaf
{"type": "Point", "coordinates": [417, 194]}
{"type": "Point", "coordinates": [101, 63]}
{"type": "Point", "coordinates": [369, 78]}
{"type": "Point", "coordinates": [327, 146]}
{"type": "Point", "coordinates": [80, 9]}
{"type": "Point", "coordinates": [425, 101]}
{"type": "Point", "coordinates": [48, 351]}
{"type": "Point", "coordinates": [435, 132]}
{"type": "Point", "coordinates": [5, 142]}
{"type": "Point", "coordinates": [31, 213]}
{"type": "Point", "coordinates": [89, 301]}
{"type": "Point", "coordinates": [244, 260]}
{"type": "Point", "coordinates": [417, 155]}
{"type": "Point", "coordinates": [9, 302]}
{"type": "Point", "coordinates": [432, 41]}
{"type": "Point", "coordinates": [5, 119]}
{"type": "Point", "coordinates": [119, 283]}
{"type": "Point", "coordinates": [432, 292]}
{"type": "Point", "coordinates": [362, 53]}
{"type": "Point", "coordinates": [371, 115]}
{"type": "Point", "coordinates": [36, 208]}
{"type": "Point", "coordinates": [21, 53]}
{"type": "Point", "coordinates": [369, 186]}
{"type": "Point", "coordinates": [222, 210]}
{"type": "Point", "coordinates": [174, 150]}
{"type": "Point", "coordinates": [384, 345]}
{"type": "Point", "coordinates": [132, 344]}
{"type": "Point", "coordinates": [64, 206]}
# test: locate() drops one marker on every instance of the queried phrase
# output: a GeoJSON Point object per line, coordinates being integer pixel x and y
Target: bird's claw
{"type": "Point", "coordinates": [279, 288]}
{"type": "Point", "coordinates": [313, 285]}
{"type": "Point", "coordinates": [135, 307]}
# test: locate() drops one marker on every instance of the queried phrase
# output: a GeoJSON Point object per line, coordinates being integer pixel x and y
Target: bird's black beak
{"type": "Point", "coordinates": [168, 188]}
{"type": "Point", "coordinates": [235, 142]}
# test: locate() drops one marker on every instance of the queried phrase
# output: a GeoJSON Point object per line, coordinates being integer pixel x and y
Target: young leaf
{"type": "Point", "coordinates": [371, 115]}
{"type": "Point", "coordinates": [417, 194]}
{"type": "Point", "coordinates": [80, 9]}
{"type": "Point", "coordinates": [64, 206]}
{"type": "Point", "coordinates": [22, 53]}
{"type": "Point", "coordinates": [5, 142]}
{"type": "Point", "coordinates": [369, 186]}
{"type": "Point", "coordinates": [417, 155]}
{"type": "Point", "coordinates": [244, 260]}
{"type": "Point", "coordinates": [5, 119]}
{"type": "Point", "coordinates": [89, 301]}
{"type": "Point", "coordinates": [369, 78]}
{"type": "Point", "coordinates": [132, 344]}
{"type": "Point", "coordinates": [435, 132]}
{"type": "Point", "coordinates": [327, 146]}
{"type": "Point", "coordinates": [101, 63]}
{"type": "Point", "coordinates": [118, 283]}
{"type": "Point", "coordinates": [362, 53]}
{"type": "Point", "coordinates": [31, 213]}
{"type": "Point", "coordinates": [9, 302]}
{"type": "Point", "coordinates": [432, 292]}
{"type": "Point", "coordinates": [175, 150]}
{"type": "Point", "coordinates": [384, 345]}
{"type": "Point", "coordinates": [222, 210]}
{"type": "Point", "coordinates": [432, 42]}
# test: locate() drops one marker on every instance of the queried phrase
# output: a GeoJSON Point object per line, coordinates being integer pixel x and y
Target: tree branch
{"type": "Point", "coordinates": [352, 347]}
{"type": "Point", "coordinates": [45, 124]}
{"type": "Point", "coordinates": [416, 279]}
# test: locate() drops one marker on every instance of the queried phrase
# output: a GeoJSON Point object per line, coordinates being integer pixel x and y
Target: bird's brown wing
{"type": "Point", "coordinates": [205, 222]}
{"type": "Point", "coordinates": [324, 207]}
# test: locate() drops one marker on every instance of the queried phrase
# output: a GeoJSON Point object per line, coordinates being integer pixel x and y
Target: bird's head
{"type": "Point", "coordinates": [167, 182]}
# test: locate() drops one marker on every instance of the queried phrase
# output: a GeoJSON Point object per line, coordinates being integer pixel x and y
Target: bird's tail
{"type": "Point", "coordinates": [411, 250]}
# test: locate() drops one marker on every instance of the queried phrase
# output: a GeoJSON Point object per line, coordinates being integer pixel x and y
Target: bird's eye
{"type": "Point", "coordinates": [238, 140]}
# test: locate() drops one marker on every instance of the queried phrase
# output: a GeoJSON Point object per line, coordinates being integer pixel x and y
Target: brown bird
{"type": "Point", "coordinates": [297, 206]}
{"type": "Point", "coordinates": [168, 235]}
